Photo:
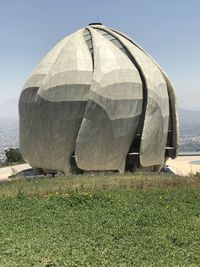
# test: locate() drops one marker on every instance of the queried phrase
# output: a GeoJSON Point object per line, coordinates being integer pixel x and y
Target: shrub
{"type": "Point", "coordinates": [13, 155]}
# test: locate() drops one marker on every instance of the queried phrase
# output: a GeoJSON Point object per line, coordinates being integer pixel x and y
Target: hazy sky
{"type": "Point", "coordinates": [168, 29]}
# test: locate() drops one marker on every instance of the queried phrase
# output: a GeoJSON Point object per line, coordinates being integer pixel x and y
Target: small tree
{"type": "Point", "coordinates": [13, 155]}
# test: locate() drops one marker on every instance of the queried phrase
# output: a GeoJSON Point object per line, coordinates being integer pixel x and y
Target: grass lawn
{"type": "Point", "coordinates": [101, 220]}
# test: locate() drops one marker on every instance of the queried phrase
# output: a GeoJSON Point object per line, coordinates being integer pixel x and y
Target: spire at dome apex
{"type": "Point", "coordinates": [95, 23]}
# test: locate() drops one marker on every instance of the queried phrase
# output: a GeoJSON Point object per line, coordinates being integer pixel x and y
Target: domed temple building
{"type": "Point", "coordinates": [98, 101]}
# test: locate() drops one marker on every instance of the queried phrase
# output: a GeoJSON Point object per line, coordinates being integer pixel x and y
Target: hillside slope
{"type": "Point", "coordinates": [104, 226]}
{"type": "Point", "coordinates": [189, 122]}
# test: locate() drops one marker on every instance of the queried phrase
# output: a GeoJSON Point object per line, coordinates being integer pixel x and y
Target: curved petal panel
{"type": "Point", "coordinates": [172, 99]}
{"type": "Point", "coordinates": [59, 106]}
{"type": "Point", "coordinates": [155, 128]}
{"type": "Point", "coordinates": [113, 110]}
{"type": "Point", "coordinates": [43, 68]}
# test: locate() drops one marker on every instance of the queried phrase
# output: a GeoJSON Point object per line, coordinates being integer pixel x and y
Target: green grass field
{"type": "Point", "coordinates": [101, 220]}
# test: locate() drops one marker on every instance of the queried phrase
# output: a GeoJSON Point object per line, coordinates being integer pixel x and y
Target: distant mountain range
{"type": "Point", "coordinates": [189, 121]}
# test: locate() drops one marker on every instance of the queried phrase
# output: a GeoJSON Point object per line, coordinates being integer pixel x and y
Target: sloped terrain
{"type": "Point", "coordinates": [111, 220]}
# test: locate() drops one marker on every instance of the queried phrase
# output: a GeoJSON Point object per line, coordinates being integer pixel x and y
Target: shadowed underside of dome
{"type": "Point", "coordinates": [98, 97]}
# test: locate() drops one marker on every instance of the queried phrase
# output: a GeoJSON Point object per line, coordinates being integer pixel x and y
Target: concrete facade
{"type": "Point", "coordinates": [98, 97]}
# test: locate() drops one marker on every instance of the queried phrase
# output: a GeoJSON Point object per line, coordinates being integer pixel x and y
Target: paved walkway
{"type": "Point", "coordinates": [7, 171]}
{"type": "Point", "coordinates": [185, 165]}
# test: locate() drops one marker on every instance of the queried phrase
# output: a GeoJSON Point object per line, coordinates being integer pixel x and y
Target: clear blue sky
{"type": "Point", "coordinates": [168, 30]}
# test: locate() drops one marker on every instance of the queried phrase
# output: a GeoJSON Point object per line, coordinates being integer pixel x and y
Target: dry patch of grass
{"type": "Point", "coordinates": [95, 182]}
